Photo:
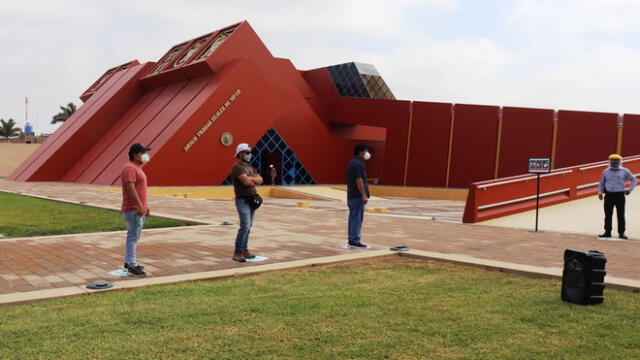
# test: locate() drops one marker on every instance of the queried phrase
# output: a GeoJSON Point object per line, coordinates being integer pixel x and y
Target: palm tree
{"type": "Point", "coordinates": [63, 115]}
{"type": "Point", "coordinates": [8, 129]}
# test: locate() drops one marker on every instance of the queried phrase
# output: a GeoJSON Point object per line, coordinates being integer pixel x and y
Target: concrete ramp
{"type": "Point", "coordinates": [583, 216]}
{"type": "Point", "coordinates": [325, 192]}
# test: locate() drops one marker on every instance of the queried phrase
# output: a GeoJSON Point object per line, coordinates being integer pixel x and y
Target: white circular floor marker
{"type": "Point", "coordinates": [258, 258]}
{"type": "Point", "coordinates": [354, 248]}
{"type": "Point", "coordinates": [118, 272]}
{"type": "Point", "coordinates": [611, 239]}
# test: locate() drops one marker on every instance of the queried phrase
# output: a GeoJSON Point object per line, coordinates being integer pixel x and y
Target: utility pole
{"type": "Point", "coordinates": [26, 110]}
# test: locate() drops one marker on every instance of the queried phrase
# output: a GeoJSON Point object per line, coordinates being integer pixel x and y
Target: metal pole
{"type": "Point", "coordinates": [537, 200]}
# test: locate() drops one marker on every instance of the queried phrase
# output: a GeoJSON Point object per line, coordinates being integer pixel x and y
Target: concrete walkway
{"type": "Point", "coordinates": [290, 236]}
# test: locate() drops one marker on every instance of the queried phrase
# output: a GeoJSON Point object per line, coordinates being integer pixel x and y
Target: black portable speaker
{"type": "Point", "coordinates": [583, 277]}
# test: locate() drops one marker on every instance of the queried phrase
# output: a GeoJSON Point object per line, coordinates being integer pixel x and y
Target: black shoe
{"type": "Point", "coordinates": [623, 237]}
{"type": "Point", "coordinates": [127, 266]}
{"type": "Point", "coordinates": [358, 246]}
{"type": "Point", "coordinates": [605, 235]}
{"type": "Point", "coordinates": [238, 257]}
{"type": "Point", "coordinates": [136, 270]}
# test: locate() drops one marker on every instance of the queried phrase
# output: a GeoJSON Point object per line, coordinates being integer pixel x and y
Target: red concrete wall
{"type": "Point", "coordinates": [526, 133]}
{"type": "Point", "coordinates": [324, 156]}
{"type": "Point", "coordinates": [363, 132]}
{"type": "Point", "coordinates": [76, 136]}
{"type": "Point", "coordinates": [429, 146]}
{"type": "Point", "coordinates": [89, 166]}
{"type": "Point", "coordinates": [143, 128]}
{"type": "Point", "coordinates": [630, 135]}
{"type": "Point", "coordinates": [208, 162]}
{"type": "Point", "coordinates": [473, 149]}
{"type": "Point", "coordinates": [585, 137]}
{"type": "Point", "coordinates": [324, 90]}
{"type": "Point", "coordinates": [332, 157]}
{"type": "Point", "coordinates": [146, 127]}
{"type": "Point", "coordinates": [390, 114]}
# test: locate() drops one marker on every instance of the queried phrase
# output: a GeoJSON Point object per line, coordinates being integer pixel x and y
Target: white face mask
{"type": "Point", "coordinates": [246, 157]}
{"type": "Point", "coordinates": [145, 158]}
{"type": "Point", "coordinates": [367, 155]}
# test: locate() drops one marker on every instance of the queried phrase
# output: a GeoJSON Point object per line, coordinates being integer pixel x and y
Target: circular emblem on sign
{"type": "Point", "coordinates": [226, 139]}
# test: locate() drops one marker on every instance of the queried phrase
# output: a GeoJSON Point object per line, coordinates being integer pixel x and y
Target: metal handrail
{"type": "Point", "coordinates": [592, 167]}
{"type": "Point", "coordinates": [522, 199]}
{"type": "Point", "coordinates": [580, 187]}
{"type": "Point", "coordinates": [524, 179]}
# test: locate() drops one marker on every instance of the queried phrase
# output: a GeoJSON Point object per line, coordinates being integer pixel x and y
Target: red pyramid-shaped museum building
{"type": "Point", "coordinates": [206, 95]}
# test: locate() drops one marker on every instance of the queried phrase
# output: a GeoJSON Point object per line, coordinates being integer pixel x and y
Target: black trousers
{"type": "Point", "coordinates": [612, 199]}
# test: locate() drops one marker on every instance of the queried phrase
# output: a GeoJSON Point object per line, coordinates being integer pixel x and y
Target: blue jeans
{"type": "Point", "coordinates": [134, 229]}
{"type": "Point", "coordinates": [246, 214]}
{"type": "Point", "coordinates": [356, 215]}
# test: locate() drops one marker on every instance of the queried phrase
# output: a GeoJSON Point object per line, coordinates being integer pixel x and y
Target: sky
{"type": "Point", "coordinates": [556, 54]}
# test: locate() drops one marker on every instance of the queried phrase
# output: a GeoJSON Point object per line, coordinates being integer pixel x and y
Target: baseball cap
{"type": "Point", "coordinates": [615, 156]}
{"type": "Point", "coordinates": [242, 147]}
{"type": "Point", "coordinates": [138, 148]}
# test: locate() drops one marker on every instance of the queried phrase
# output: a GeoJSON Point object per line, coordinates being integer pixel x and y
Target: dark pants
{"type": "Point", "coordinates": [612, 199]}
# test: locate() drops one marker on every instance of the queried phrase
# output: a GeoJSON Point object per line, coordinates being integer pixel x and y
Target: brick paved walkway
{"type": "Point", "coordinates": [282, 231]}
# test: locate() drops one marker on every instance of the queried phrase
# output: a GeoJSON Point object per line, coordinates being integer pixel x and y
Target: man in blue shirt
{"type": "Point", "coordinates": [357, 194]}
{"type": "Point", "coordinates": [612, 184]}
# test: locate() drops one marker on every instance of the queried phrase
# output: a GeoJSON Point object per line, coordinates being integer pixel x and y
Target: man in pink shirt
{"type": "Point", "coordinates": [134, 204]}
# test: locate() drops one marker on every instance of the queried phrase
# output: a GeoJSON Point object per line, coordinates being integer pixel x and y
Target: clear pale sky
{"type": "Point", "coordinates": [558, 54]}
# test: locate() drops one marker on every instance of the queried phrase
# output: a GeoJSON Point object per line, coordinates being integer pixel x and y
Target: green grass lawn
{"type": "Point", "coordinates": [27, 216]}
{"type": "Point", "coordinates": [377, 311]}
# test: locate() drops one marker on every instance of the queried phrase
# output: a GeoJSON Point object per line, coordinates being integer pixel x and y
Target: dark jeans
{"type": "Point", "coordinates": [246, 214]}
{"type": "Point", "coordinates": [356, 215]}
{"type": "Point", "coordinates": [612, 199]}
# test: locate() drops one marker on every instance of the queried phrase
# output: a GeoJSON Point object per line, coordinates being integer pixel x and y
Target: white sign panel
{"type": "Point", "coordinates": [539, 165]}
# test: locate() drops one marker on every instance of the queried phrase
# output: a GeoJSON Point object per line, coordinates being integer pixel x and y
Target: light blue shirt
{"type": "Point", "coordinates": [612, 180]}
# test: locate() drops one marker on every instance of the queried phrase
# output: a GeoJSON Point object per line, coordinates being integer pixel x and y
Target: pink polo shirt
{"type": "Point", "coordinates": [133, 173]}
